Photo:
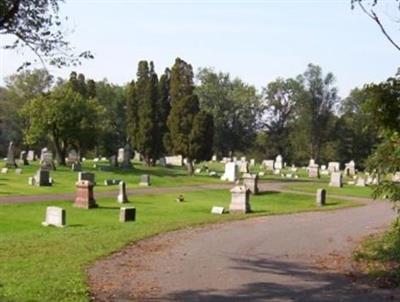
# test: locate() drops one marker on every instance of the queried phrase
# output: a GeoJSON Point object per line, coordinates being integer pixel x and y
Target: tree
{"type": "Point", "coordinates": [314, 113]}
{"type": "Point", "coordinates": [163, 109]}
{"type": "Point", "coordinates": [113, 99]}
{"type": "Point", "coordinates": [371, 13]}
{"type": "Point", "coordinates": [65, 117]}
{"type": "Point", "coordinates": [20, 88]}
{"type": "Point", "coordinates": [144, 101]}
{"type": "Point", "coordinates": [36, 25]}
{"type": "Point", "coordinates": [187, 129]}
{"type": "Point", "coordinates": [384, 105]}
{"type": "Point", "coordinates": [356, 136]}
{"type": "Point", "coordinates": [281, 97]}
{"type": "Point", "coordinates": [235, 107]}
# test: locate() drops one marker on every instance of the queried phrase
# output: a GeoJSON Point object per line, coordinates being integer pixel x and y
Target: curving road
{"type": "Point", "coordinates": [300, 257]}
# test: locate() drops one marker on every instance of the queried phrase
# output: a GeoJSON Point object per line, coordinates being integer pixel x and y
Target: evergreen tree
{"type": "Point", "coordinates": [163, 108]}
{"type": "Point", "coordinates": [187, 128]}
{"type": "Point", "coordinates": [143, 103]}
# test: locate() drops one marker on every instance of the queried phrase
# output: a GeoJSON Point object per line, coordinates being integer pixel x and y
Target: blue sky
{"type": "Point", "coordinates": [257, 41]}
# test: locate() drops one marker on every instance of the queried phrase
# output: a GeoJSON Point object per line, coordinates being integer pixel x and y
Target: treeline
{"type": "Point", "coordinates": [300, 117]}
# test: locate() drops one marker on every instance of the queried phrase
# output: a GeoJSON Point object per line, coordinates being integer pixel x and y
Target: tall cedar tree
{"type": "Point", "coordinates": [188, 128]}
{"type": "Point", "coordinates": [163, 109]}
{"type": "Point", "coordinates": [143, 102]}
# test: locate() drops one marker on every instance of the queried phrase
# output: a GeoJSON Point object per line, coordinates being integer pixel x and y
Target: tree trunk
{"type": "Point", "coordinates": [189, 166]}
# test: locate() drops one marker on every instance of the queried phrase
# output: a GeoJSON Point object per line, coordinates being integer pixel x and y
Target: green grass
{"type": "Point", "coordinates": [346, 190]}
{"type": "Point", "coordinates": [379, 257]}
{"type": "Point", "coordinates": [48, 264]}
{"type": "Point", "coordinates": [65, 179]}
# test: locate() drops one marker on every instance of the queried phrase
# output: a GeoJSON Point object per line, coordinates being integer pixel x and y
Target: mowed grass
{"type": "Point", "coordinates": [48, 264]}
{"type": "Point", "coordinates": [346, 190]}
{"type": "Point", "coordinates": [65, 179]}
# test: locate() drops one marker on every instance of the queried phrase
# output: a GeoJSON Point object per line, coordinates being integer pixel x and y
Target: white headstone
{"type": "Point", "coordinates": [55, 216]}
{"type": "Point", "coordinates": [217, 210]}
{"type": "Point", "coordinates": [278, 162]}
{"type": "Point", "coordinates": [336, 180]}
{"type": "Point", "coordinates": [231, 172]}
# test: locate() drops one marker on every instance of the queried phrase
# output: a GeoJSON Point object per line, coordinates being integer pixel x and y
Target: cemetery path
{"type": "Point", "coordinates": [297, 257]}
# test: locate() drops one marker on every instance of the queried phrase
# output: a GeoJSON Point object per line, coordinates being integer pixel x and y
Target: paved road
{"type": "Point", "coordinates": [275, 258]}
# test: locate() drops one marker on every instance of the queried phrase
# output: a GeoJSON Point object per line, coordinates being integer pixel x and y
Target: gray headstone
{"type": "Point", "coordinates": [251, 182]}
{"type": "Point", "coordinates": [76, 167]}
{"type": "Point", "coordinates": [89, 176]}
{"type": "Point", "coordinates": [72, 157]}
{"type": "Point", "coordinates": [360, 182]}
{"type": "Point", "coordinates": [46, 161]}
{"type": "Point", "coordinates": [112, 182]}
{"type": "Point", "coordinates": [10, 163]}
{"type": "Point", "coordinates": [31, 155]}
{"type": "Point", "coordinates": [42, 178]}
{"type": "Point", "coordinates": [127, 156]}
{"type": "Point", "coordinates": [240, 200]}
{"type": "Point", "coordinates": [336, 180]}
{"type": "Point", "coordinates": [18, 171]}
{"type": "Point", "coordinates": [55, 216]}
{"type": "Point", "coordinates": [144, 180]}
{"type": "Point", "coordinates": [127, 214]}
{"type": "Point", "coordinates": [313, 171]}
{"type": "Point", "coordinates": [122, 197]}
{"type": "Point", "coordinates": [23, 158]}
{"type": "Point", "coordinates": [113, 161]}
{"type": "Point", "coordinates": [321, 197]}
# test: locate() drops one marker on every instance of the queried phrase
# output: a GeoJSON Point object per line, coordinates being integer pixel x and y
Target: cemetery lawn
{"type": "Point", "coordinates": [48, 264]}
{"type": "Point", "coordinates": [346, 190]}
{"type": "Point", "coordinates": [379, 257]}
{"type": "Point", "coordinates": [65, 179]}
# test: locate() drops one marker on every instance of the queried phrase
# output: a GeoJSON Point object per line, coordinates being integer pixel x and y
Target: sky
{"type": "Point", "coordinates": [257, 40]}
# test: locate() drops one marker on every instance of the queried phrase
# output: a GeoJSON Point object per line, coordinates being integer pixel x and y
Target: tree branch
{"type": "Point", "coordinates": [375, 18]}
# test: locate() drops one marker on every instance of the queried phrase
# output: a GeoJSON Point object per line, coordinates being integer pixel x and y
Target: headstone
{"type": "Point", "coordinates": [244, 167]}
{"type": "Point", "coordinates": [333, 166]}
{"type": "Point", "coordinates": [276, 172]}
{"type": "Point", "coordinates": [268, 164]}
{"type": "Point", "coordinates": [251, 182]}
{"type": "Point", "coordinates": [311, 162]}
{"type": "Point", "coordinates": [231, 172]}
{"type": "Point", "coordinates": [72, 157]}
{"type": "Point", "coordinates": [122, 197]}
{"type": "Point", "coordinates": [252, 162]}
{"type": "Point", "coordinates": [144, 180]}
{"type": "Point", "coordinates": [96, 159]}
{"type": "Point", "coordinates": [162, 162]}
{"type": "Point", "coordinates": [110, 182]}
{"type": "Point", "coordinates": [46, 160]}
{"type": "Point", "coordinates": [18, 171]}
{"type": "Point", "coordinates": [120, 157]}
{"type": "Point", "coordinates": [55, 216]}
{"type": "Point", "coordinates": [4, 170]}
{"type": "Point", "coordinates": [214, 158]}
{"type": "Point", "coordinates": [350, 168]}
{"type": "Point", "coordinates": [213, 173]}
{"type": "Point", "coordinates": [197, 171]}
{"type": "Point", "coordinates": [323, 167]}
{"type": "Point", "coordinates": [31, 155]}
{"type": "Point", "coordinates": [10, 163]}
{"type": "Point", "coordinates": [127, 214]}
{"type": "Point", "coordinates": [176, 160]}
{"type": "Point", "coordinates": [180, 198]}
{"type": "Point", "coordinates": [240, 200]}
{"type": "Point", "coordinates": [360, 182]}
{"type": "Point", "coordinates": [261, 174]}
{"type": "Point", "coordinates": [313, 171]}
{"type": "Point", "coordinates": [243, 158]}
{"type": "Point", "coordinates": [369, 180]}
{"type": "Point", "coordinates": [76, 167]}
{"type": "Point", "coordinates": [217, 210]}
{"type": "Point", "coordinates": [137, 156]}
{"type": "Point", "coordinates": [23, 158]}
{"type": "Point", "coordinates": [293, 168]}
{"type": "Point", "coordinates": [42, 178]}
{"type": "Point", "coordinates": [336, 180]}
{"type": "Point", "coordinates": [278, 162]}
{"type": "Point", "coordinates": [113, 161]}
{"type": "Point", "coordinates": [321, 197]}
{"type": "Point", "coordinates": [127, 155]}
{"type": "Point", "coordinates": [84, 195]}
{"type": "Point", "coordinates": [89, 176]}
